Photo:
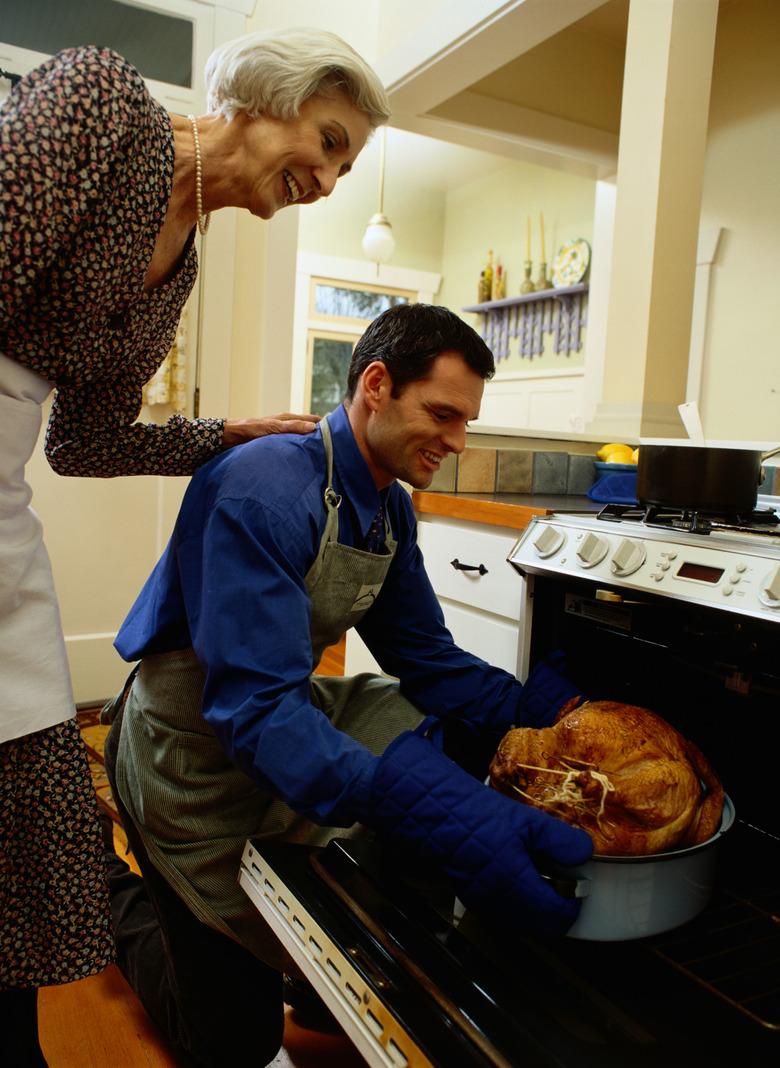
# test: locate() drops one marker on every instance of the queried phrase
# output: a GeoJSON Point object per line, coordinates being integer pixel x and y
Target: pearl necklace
{"type": "Point", "coordinates": [203, 220]}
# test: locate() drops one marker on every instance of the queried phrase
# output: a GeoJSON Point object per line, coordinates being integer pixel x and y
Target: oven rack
{"type": "Point", "coordinates": [733, 951]}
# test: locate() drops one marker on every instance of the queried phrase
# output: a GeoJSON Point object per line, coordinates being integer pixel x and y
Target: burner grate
{"type": "Point", "coordinates": [697, 522]}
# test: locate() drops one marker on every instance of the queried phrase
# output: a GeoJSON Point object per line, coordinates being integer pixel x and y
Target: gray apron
{"type": "Point", "coordinates": [193, 808]}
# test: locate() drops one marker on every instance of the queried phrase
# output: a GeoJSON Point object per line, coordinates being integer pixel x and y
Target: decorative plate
{"type": "Point", "coordinates": [571, 264]}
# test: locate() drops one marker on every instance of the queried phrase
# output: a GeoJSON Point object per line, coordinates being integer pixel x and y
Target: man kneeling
{"type": "Point", "coordinates": [280, 546]}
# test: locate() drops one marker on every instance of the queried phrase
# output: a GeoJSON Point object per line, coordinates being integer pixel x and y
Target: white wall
{"type": "Point", "coordinates": [492, 213]}
{"type": "Point", "coordinates": [335, 226]}
{"type": "Point", "coordinates": [397, 19]}
{"type": "Point", "coordinates": [357, 21]}
{"type": "Point", "coordinates": [740, 396]}
{"type": "Point", "coordinates": [263, 300]}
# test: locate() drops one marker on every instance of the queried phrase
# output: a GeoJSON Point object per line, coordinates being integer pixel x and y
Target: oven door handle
{"type": "Point", "coordinates": [567, 886]}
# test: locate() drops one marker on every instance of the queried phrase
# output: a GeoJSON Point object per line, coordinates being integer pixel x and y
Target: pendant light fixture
{"type": "Point", "coordinates": [378, 240]}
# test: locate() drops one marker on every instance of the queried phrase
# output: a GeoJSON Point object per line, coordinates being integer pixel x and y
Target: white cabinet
{"type": "Point", "coordinates": [466, 563]}
{"type": "Point", "coordinates": [479, 591]}
{"type": "Point", "coordinates": [357, 658]}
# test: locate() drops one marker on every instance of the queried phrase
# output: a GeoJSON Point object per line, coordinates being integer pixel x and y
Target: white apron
{"type": "Point", "coordinates": [35, 689]}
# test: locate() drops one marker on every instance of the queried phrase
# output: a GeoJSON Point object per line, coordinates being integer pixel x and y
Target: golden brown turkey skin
{"type": "Point", "coordinates": [620, 772]}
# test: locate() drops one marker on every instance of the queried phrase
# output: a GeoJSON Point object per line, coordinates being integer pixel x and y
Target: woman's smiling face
{"type": "Point", "coordinates": [299, 160]}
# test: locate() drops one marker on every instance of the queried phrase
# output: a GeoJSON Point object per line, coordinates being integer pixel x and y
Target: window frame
{"type": "Point", "coordinates": [418, 286]}
{"type": "Point", "coordinates": [360, 287]}
{"type": "Point", "coordinates": [326, 335]}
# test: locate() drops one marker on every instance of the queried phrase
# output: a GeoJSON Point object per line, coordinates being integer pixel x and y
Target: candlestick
{"type": "Point", "coordinates": [527, 286]}
{"type": "Point", "coordinates": [541, 235]}
{"type": "Point", "coordinates": [543, 282]}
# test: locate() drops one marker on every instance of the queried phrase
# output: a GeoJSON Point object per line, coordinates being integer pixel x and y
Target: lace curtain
{"type": "Point", "coordinates": [169, 383]}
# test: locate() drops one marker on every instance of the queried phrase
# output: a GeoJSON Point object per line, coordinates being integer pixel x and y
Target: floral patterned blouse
{"type": "Point", "coordinates": [86, 171]}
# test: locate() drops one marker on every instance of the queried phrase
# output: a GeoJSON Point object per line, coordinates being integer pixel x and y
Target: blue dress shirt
{"type": "Point", "coordinates": [231, 584]}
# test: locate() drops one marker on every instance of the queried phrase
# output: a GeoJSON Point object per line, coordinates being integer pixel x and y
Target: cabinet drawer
{"type": "Point", "coordinates": [493, 640]}
{"type": "Point", "coordinates": [499, 590]}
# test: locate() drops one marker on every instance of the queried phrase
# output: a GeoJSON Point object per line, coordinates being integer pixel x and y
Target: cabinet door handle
{"type": "Point", "coordinates": [468, 567]}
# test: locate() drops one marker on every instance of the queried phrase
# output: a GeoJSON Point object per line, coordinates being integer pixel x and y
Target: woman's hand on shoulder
{"type": "Point", "coordinates": [238, 431]}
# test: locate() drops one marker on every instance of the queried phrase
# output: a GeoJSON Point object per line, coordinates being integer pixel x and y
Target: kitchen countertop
{"type": "Point", "coordinates": [513, 510]}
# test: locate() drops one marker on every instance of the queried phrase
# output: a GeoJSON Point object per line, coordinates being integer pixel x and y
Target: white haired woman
{"type": "Point", "coordinates": [101, 194]}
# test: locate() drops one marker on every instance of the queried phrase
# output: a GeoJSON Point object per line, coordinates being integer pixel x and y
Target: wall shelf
{"type": "Point", "coordinates": [560, 312]}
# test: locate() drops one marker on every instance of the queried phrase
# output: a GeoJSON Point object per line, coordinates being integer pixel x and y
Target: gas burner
{"type": "Point", "coordinates": [761, 520]}
{"type": "Point", "coordinates": [616, 513]}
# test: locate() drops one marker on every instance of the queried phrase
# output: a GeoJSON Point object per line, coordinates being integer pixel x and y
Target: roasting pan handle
{"type": "Point", "coordinates": [567, 885]}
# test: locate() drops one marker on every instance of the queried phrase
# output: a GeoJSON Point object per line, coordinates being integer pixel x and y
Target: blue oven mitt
{"type": "Point", "coordinates": [545, 691]}
{"type": "Point", "coordinates": [484, 842]}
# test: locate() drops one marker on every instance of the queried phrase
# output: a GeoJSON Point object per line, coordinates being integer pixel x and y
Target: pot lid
{"type": "Point", "coordinates": [710, 443]}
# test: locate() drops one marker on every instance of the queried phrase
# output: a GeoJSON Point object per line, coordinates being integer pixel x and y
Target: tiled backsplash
{"type": "Point", "coordinates": [771, 483]}
{"type": "Point", "coordinates": [479, 470]}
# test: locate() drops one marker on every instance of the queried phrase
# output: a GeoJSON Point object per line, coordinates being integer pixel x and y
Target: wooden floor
{"type": "Point", "coordinates": [119, 1034]}
{"type": "Point", "coordinates": [99, 1022]}
{"type": "Point", "coordinates": [332, 662]}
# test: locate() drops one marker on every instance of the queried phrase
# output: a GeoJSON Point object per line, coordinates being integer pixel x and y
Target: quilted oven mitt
{"type": "Point", "coordinates": [545, 691]}
{"type": "Point", "coordinates": [484, 842]}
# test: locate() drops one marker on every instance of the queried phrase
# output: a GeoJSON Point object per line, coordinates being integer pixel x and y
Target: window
{"type": "Point", "coordinates": [344, 301]}
{"type": "Point", "coordinates": [338, 314]}
{"type": "Point", "coordinates": [329, 356]}
{"type": "Point", "coordinates": [335, 300]}
{"type": "Point", "coordinates": [168, 41]}
{"type": "Point", "coordinates": [159, 45]}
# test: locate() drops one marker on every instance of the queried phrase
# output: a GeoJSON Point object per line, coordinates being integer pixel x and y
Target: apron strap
{"type": "Point", "coordinates": [333, 499]}
{"type": "Point", "coordinates": [330, 497]}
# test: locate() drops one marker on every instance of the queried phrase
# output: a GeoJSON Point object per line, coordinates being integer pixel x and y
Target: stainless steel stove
{"type": "Point", "coordinates": [675, 612]}
{"type": "Point", "coordinates": [730, 563]}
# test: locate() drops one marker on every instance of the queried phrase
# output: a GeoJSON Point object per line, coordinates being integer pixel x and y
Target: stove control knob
{"type": "Point", "coordinates": [548, 541]}
{"type": "Point", "coordinates": [770, 588]}
{"type": "Point", "coordinates": [592, 550]}
{"type": "Point", "coordinates": [628, 557]}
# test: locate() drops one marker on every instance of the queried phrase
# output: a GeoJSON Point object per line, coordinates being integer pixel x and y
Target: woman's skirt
{"type": "Point", "coordinates": [54, 911]}
{"type": "Point", "coordinates": [55, 924]}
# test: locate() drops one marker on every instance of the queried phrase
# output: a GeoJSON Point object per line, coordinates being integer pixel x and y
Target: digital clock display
{"type": "Point", "coordinates": [700, 572]}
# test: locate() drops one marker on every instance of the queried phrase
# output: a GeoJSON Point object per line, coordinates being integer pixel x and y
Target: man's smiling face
{"type": "Point", "coordinates": [408, 436]}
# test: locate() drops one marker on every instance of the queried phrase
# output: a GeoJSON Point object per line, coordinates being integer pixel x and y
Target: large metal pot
{"type": "Point", "coordinates": [634, 897]}
{"type": "Point", "coordinates": [698, 477]}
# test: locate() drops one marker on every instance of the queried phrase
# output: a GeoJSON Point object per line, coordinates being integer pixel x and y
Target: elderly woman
{"type": "Point", "coordinates": [101, 194]}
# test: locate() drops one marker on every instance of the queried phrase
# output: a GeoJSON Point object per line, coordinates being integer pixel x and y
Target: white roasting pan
{"type": "Point", "coordinates": [634, 897]}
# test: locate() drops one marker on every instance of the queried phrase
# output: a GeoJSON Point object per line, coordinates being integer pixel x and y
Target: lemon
{"type": "Point", "coordinates": [615, 453]}
{"type": "Point", "coordinates": [635, 456]}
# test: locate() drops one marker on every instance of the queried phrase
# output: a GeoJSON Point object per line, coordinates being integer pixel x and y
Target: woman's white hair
{"type": "Point", "coordinates": [272, 73]}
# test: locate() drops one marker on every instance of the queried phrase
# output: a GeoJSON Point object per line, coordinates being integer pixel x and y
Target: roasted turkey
{"type": "Point", "coordinates": [620, 772]}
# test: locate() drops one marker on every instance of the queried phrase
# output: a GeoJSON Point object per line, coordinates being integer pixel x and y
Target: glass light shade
{"type": "Point", "coordinates": [378, 240]}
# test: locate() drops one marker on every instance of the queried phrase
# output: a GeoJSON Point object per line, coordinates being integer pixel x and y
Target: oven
{"type": "Point", "coordinates": [680, 614]}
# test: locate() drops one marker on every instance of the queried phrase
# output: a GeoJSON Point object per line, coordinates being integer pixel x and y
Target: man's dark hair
{"type": "Point", "coordinates": [409, 337]}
